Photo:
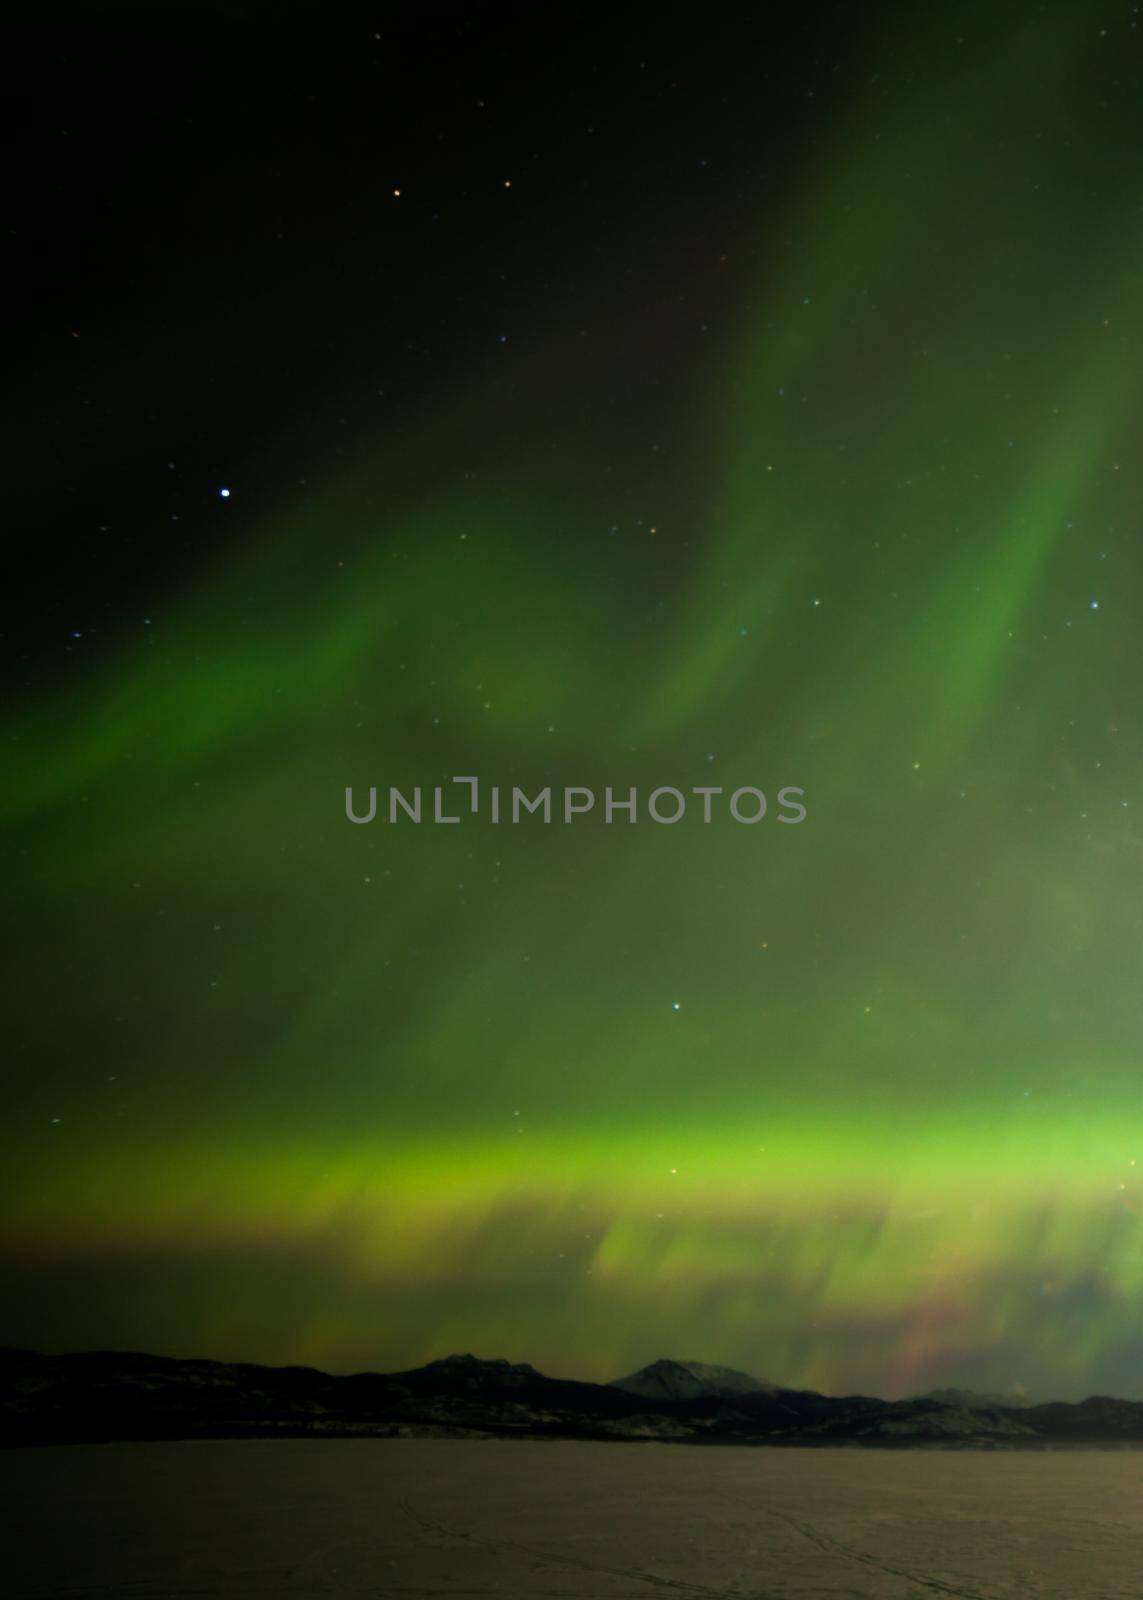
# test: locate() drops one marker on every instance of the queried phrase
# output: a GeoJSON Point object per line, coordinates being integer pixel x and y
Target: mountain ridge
{"type": "Point", "coordinates": [667, 1379]}
{"type": "Point", "coordinates": [972, 1400]}
{"type": "Point", "coordinates": [100, 1396]}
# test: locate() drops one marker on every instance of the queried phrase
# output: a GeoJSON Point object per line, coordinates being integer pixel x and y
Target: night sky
{"type": "Point", "coordinates": [680, 399]}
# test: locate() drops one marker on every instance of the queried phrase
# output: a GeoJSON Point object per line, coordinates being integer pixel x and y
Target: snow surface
{"type": "Point", "coordinates": [471, 1517]}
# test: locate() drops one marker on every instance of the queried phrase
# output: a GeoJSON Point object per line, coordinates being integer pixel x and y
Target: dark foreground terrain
{"type": "Point", "coordinates": [105, 1397]}
{"type": "Point", "coordinates": [425, 1517]}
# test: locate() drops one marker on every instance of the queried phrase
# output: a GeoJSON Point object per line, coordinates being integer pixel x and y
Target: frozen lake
{"type": "Point", "coordinates": [522, 1519]}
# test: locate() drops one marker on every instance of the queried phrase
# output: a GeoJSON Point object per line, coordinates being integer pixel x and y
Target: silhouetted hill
{"type": "Point", "coordinates": [970, 1400]}
{"type": "Point", "coordinates": [110, 1395]}
{"type": "Point", "coordinates": [688, 1380]}
{"type": "Point", "coordinates": [1097, 1420]}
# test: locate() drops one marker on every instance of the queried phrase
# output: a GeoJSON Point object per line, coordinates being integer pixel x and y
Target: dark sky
{"type": "Point", "coordinates": [682, 400]}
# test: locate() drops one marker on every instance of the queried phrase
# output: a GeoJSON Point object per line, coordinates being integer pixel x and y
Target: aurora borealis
{"type": "Point", "coordinates": [719, 406]}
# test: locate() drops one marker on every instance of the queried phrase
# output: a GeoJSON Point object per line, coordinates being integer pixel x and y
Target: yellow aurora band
{"type": "Point", "coordinates": [853, 1105]}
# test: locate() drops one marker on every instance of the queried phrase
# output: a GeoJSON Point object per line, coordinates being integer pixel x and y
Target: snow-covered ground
{"type": "Point", "coordinates": [432, 1517]}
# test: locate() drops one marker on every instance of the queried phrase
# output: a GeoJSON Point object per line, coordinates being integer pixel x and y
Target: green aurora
{"type": "Point", "coordinates": [847, 498]}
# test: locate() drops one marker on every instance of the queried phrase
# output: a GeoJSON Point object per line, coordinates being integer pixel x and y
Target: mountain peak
{"type": "Point", "coordinates": [970, 1400]}
{"type": "Point", "coordinates": [490, 1363]}
{"type": "Point", "coordinates": [667, 1379]}
{"type": "Point", "coordinates": [471, 1369]}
